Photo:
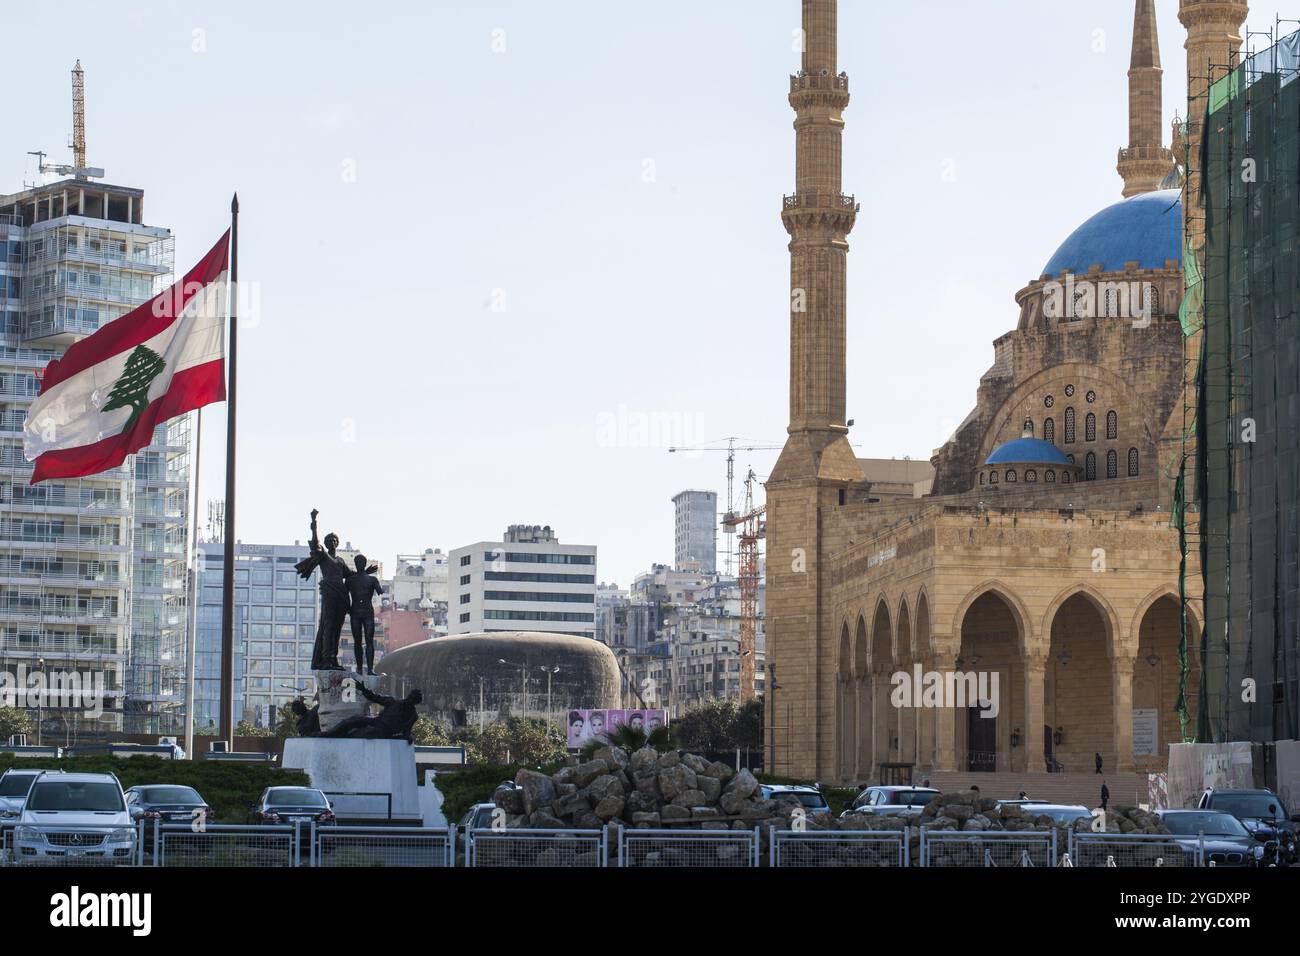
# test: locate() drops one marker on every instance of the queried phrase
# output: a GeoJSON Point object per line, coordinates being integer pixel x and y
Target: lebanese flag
{"type": "Point", "coordinates": [102, 400]}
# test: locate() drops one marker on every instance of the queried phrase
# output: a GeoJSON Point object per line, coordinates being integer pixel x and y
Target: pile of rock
{"type": "Point", "coordinates": [644, 789]}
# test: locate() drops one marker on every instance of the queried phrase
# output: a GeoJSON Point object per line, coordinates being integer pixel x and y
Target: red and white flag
{"type": "Point", "coordinates": [102, 400]}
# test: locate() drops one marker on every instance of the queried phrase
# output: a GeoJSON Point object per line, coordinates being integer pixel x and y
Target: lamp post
{"type": "Point", "coordinates": [40, 700]}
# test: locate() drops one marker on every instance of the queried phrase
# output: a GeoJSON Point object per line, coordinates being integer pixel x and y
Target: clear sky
{"type": "Point", "coordinates": [505, 253]}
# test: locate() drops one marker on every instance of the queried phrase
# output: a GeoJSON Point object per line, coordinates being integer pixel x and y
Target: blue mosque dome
{"type": "Point", "coordinates": [1146, 229]}
{"type": "Point", "coordinates": [1027, 451]}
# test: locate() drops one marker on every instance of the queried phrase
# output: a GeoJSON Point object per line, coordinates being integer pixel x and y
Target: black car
{"type": "Point", "coordinates": [1225, 839]}
{"type": "Point", "coordinates": [1263, 814]}
{"type": "Point", "coordinates": [279, 805]}
{"type": "Point", "coordinates": [168, 803]}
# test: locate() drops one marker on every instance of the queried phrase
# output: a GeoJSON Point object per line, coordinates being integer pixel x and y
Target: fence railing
{"type": "Point", "coordinates": [1087, 848]}
{"type": "Point", "coordinates": [677, 848]}
{"type": "Point", "coordinates": [530, 848]}
{"type": "Point", "coordinates": [988, 848]}
{"type": "Point", "coordinates": [227, 844]}
{"type": "Point", "coordinates": [816, 848]}
{"type": "Point", "coordinates": [383, 846]}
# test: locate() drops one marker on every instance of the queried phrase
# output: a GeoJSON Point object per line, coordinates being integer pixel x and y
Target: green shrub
{"type": "Point", "coordinates": [229, 788]}
{"type": "Point", "coordinates": [461, 789]}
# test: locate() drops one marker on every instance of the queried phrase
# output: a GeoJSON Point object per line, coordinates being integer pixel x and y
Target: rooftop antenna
{"type": "Point", "coordinates": [79, 169]}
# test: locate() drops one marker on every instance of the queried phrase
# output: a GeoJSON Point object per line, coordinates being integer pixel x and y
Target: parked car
{"type": "Point", "coordinates": [1062, 813]}
{"type": "Point", "coordinates": [75, 815]}
{"type": "Point", "coordinates": [1226, 841]}
{"type": "Point", "coordinates": [478, 817]}
{"type": "Point", "coordinates": [1264, 815]}
{"type": "Point", "coordinates": [293, 804]}
{"type": "Point", "coordinates": [14, 784]}
{"type": "Point", "coordinates": [166, 803]}
{"type": "Point", "coordinates": [892, 801]}
{"type": "Point", "coordinates": [810, 798]}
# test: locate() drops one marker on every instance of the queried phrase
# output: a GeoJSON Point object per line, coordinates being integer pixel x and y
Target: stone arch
{"type": "Point", "coordinates": [884, 720]}
{"type": "Point", "coordinates": [1019, 613]}
{"type": "Point", "coordinates": [909, 718]}
{"type": "Point", "coordinates": [1165, 590]}
{"type": "Point", "coordinates": [1104, 608]}
{"type": "Point", "coordinates": [1156, 676]}
{"type": "Point", "coordinates": [882, 635]}
{"type": "Point", "coordinates": [921, 630]}
{"type": "Point", "coordinates": [862, 701]}
{"type": "Point", "coordinates": [845, 706]}
{"type": "Point", "coordinates": [921, 650]}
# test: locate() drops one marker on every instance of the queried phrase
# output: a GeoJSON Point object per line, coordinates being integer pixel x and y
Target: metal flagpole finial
{"type": "Point", "coordinates": [234, 203]}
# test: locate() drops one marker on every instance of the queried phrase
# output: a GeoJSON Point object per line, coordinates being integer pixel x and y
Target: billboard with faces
{"type": "Point", "coordinates": [585, 726]}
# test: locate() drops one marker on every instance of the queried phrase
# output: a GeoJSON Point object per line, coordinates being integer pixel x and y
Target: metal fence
{"type": "Point", "coordinates": [705, 848]}
{"type": "Point", "coordinates": [1134, 850]}
{"type": "Point", "coordinates": [988, 848]}
{"type": "Point", "coordinates": [831, 848]}
{"type": "Point", "coordinates": [227, 845]}
{"type": "Point", "coordinates": [529, 848]}
{"type": "Point", "coordinates": [383, 846]}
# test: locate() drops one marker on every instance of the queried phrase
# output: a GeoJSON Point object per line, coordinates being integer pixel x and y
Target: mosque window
{"type": "Point", "coordinates": [1090, 427]}
{"type": "Point", "coordinates": [1069, 426]}
{"type": "Point", "coordinates": [1011, 475]}
{"type": "Point", "coordinates": [1049, 401]}
{"type": "Point", "coordinates": [981, 477]}
{"type": "Point", "coordinates": [1031, 475]}
{"type": "Point", "coordinates": [1071, 457]}
{"type": "Point", "coordinates": [1091, 396]}
{"type": "Point", "coordinates": [1112, 464]}
{"type": "Point", "coordinates": [1049, 430]}
{"type": "Point", "coordinates": [1065, 477]}
{"type": "Point", "coordinates": [1049, 476]}
{"type": "Point", "coordinates": [1112, 425]}
{"type": "Point", "coordinates": [1090, 467]}
{"type": "Point", "coordinates": [1029, 427]}
{"type": "Point", "coordinates": [1069, 391]}
{"type": "Point", "coordinates": [993, 477]}
{"type": "Point", "coordinates": [1132, 462]}
{"type": "Point", "coordinates": [1112, 303]}
{"type": "Point", "coordinates": [1152, 296]}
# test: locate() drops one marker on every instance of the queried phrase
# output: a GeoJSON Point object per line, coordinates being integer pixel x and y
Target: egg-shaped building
{"type": "Point", "coordinates": [504, 672]}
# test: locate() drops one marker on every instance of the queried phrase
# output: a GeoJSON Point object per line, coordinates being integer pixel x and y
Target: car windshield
{"type": "Point", "coordinates": [813, 801]}
{"type": "Point", "coordinates": [1248, 804]}
{"type": "Point", "coordinates": [1211, 824]}
{"type": "Point", "coordinates": [16, 784]}
{"type": "Point", "coordinates": [75, 796]}
{"type": "Point", "coordinates": [911, 798]}
{"type": "Point", "coordinates": [1065, 816]}
{"type": "Point", "coordinates": [297, 797]}
{"type": "Point", "coordinates": [169, 795]}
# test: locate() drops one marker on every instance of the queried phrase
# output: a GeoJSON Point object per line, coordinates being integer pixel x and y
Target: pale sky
{"type": "Point", "coordinates": [507, 252]}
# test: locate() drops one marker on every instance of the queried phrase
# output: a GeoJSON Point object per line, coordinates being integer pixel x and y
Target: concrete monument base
{"type": "Point", "coordinates": [368, 781]}
{"type": "Point", "coordinates": [339, 697]}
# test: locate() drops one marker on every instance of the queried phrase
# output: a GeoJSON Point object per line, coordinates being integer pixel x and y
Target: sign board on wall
{"type": "Point", "coordinates": [1146, 734]}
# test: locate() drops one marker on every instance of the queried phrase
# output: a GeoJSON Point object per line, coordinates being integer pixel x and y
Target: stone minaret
{"type": "Point", "coordinates": [1144, 163]}
{"type": "Point", "coordinates": [817, 471]}
{"type": "Point", "coordinates": [1213, 42]}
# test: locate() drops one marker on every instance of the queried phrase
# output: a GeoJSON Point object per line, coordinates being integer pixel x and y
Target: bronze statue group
{"type": "Point", "coordinates": [350, 593]}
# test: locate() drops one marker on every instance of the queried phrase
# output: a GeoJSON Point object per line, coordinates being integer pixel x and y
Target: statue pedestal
{"type": "Point", "coordinates": [340, 697]}
{"type": "Point", "coordinates": [368, 781]}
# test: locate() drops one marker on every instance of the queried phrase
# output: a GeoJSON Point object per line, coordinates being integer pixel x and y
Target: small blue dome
{"type": "Point", "coordinates": [1027, 451]}
{"type": "Point", "coordinates": [1146, 229]}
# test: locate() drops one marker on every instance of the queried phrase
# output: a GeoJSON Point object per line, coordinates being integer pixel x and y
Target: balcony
{"type": "Point", "coordinates": [58, 332]}
{"type": "Point", "coordinates": [817, 81]}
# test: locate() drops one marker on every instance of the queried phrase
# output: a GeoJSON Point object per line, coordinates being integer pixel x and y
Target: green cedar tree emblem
{"type": "Point", "coordinates": [132, 389]}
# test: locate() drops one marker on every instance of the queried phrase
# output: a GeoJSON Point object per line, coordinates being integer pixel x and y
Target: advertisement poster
{"type": "Point", "coordinates": [584, 726]}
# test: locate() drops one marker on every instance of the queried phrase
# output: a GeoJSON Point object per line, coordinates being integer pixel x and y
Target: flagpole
{"type": "Point", "coordinates": [196, 584]}
{"type": "Point", "coordinates": [228, 568]}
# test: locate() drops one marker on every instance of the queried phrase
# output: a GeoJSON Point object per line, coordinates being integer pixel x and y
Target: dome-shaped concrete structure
{"type": "Point", "coordinates": [448, 670]}
{"type": "Point", "coordinates": [1146, 229]}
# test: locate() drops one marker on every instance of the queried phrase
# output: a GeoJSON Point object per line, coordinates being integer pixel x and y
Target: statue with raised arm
{"type": "Point", "coordinates": [335, 601]}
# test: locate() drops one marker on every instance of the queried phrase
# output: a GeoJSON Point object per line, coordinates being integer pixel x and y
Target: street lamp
{"type": "Point", "coordinates": [40, 701]}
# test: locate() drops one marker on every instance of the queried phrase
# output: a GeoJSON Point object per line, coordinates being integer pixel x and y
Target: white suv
{"type": "Point", "coordinates": [75, 815]}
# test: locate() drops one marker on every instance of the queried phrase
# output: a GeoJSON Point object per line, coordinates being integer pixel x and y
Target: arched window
{"type": "Point", "coordinates": [1132, 462]}
{"type": "Point", "coordinates": [1112, 425]}
{"type": "Point", "coordinates": [993, 477]}
{"type": "Point", "coordinates": [1011, 475]}
{"type": "Point", "coordinates": [1152, 296]}
{"type": "Point", "coordinates": [1029, 427]}
{"type": "Point", "coordinates": [1050, 476]}
{"type": "Point", "coordinates": [1112, 303]}
{"type": "Point", "coordinates": [1090, 467]}
{"type": "Point", "coordinates": [1090, 427]}
{"type": "Point", "coordinates": [1049, 430]}
{"type": "Point", "coordinates": [1112, 464]}
{"type": "Point", "coordinates": [1031, 475]}
{"type": "Point", "coordinates": [1069, 426]}
{"type": "Point", "coordinates": [981, 477]}
{"type": "Point", "coordinates": [1071, 457]}
{"type": "Point", "coordinates": [1065, 477]}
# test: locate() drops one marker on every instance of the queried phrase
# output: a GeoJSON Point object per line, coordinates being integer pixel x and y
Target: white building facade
{"type": "Point", "coordinates": [528, 581]}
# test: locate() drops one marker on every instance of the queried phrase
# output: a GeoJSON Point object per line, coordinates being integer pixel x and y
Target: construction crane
{"type": "Point", "coordinates": [79, 169]}
{"type": "Point", "coordinates": [731, 450]}
{"type": "Point", "coordinates": [752, 529]}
